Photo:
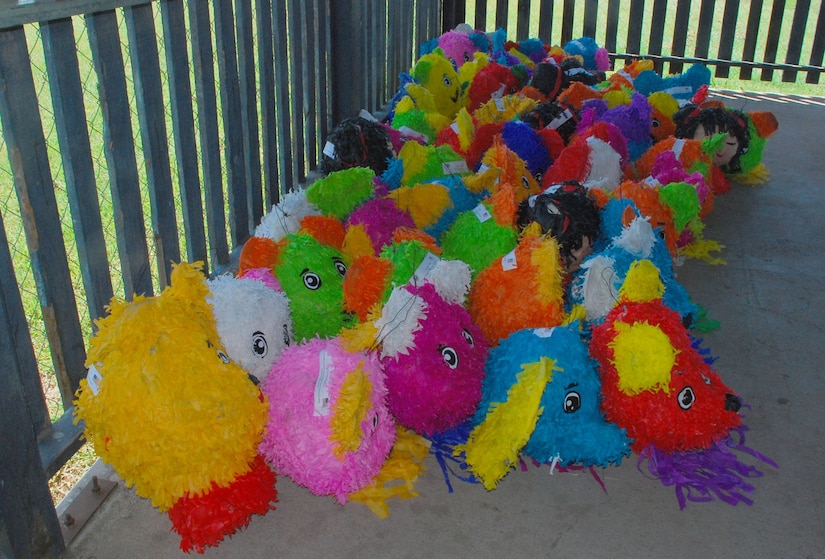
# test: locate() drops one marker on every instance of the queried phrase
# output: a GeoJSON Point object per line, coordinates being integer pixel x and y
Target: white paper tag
{"type": "Point", "coordinates": [329, 150]}
{"type": "Point", "coordinates": [425, 268]}
{"type": "Point", "coordinates": [552, 188]}
{"type": "Point", "coordinates": [407, 131]}
{"type": "Point", "coordinates": [679, 89]}
{"type": "Point", "coordinates": [483, 168]}
{"type": "Point", "coordinates": [322, 384]}
{"type": "Point", "coordinates": [652, 182]}
{"type": "Point", "coordinates": [94, 377]}
{"type": "Point", "coordinates": [499, 104]}
{"type": "Point", "coordinates": [482, 213]}
{"type": "Point", "coordinates": [454, 126]}
{"type": "Point", "coordinates": [508, 261]}
{"type": "Point", "coordinates": [497, 94]}
{"type": "Point", "coordinates": [677, 148]}
{"type": "Point", "coordinates": [626, 75]}
{"type": "Point", "coordinates": [455, 167]}
{"type": "Point", "coordinates": [543, 332]}
{"type": "Point", "coordinates": [366, 115]}
{"type": "Point", "coordinates": [561, 119]}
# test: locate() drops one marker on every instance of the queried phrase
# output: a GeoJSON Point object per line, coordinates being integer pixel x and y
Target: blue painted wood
{"type": "Point", "coordinates": [800, 20]}
{"type": "Point", "coordinates": [200, 34]}
{"type": "Point", "coordinates": [183, 129]}
{"type": "Point", "coordinates": [76, 155]}
{"type": "Point", "coordinates": [523, 20]}
{"type": "Point", "coordinates": [143, 51]}
{"type": "Point", "coordinates": [591, 11]}
{"type": "Point", "coordinates": [502, 9]}
{"type": "Point", "coordinates": [454, 12]}
{"type": "Point", "coordinates": [481, 15]}
{"type": "Point", "coordinates": [680, 32]}
{"type": "Point", "coordinates": [727, 37]}
{"type": "Point", "coordinates": [310, 94]}
{"type": "Point", "coordinates": [119, 148]}
{"type": "Point", "coordinates": [249, 111]}
{"type": "Point", "coordinates": [657, 24]}
{"type": "Point", "coordinates": [233, 126]}
{"type": "Point", "coordinates": [322, 71]}
{"type": "Point", "coordinates": [818, 46]}
{"type": "Point", "coordinates": [283, 121]}
{"type": "Point", "coordinates": [634, 26]}
{"type": "Point", "coordinates": [751, 36]}
{"type": "Point", "coordinates": [28, 520]}
{"type": "Point", "coordinates": [34, 186]}
{"type": "Point", "coordinates": [569, 9]}
{"type": "Point", "coordinates": [20, 352]}
{"type": "Point", "coordinates": [297, 42]}
{"type": "Point", "coordinates": [611, 30]}
{"type": "Point", "coordinates": [269, 131]}
{"type": "Point", "coordinates": [703, 32]}
{"type": "Point", "coordinates": [772, 44]}
{"type": "Point", "coordinates": [546, 22]}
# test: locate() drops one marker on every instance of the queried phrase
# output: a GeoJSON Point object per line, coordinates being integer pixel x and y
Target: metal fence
{"type": "Point", "coordinates": [141, 133]}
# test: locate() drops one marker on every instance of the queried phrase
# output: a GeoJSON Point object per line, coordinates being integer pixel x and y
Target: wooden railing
{"type": "Point", "coordinates": [763, 35]}
{"type": "Point", "coordinates": [210, 111]}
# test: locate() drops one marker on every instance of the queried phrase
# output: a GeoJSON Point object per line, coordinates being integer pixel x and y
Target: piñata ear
{"type": "Point", "coordinates": [357, 242]}
{"type": "Point", "coordinates": [259, 252]}
{"type": "Point", "coordinates": [451, 279]}
{"type": "Point", "coordinates": [326, 230]}
{"type": "Point", "coordinates": [364, 284]}
{"type": "Point", "coordinates": [466, 128]}
{"type": "Point", "coordinates": [642, 283]}
{"type": "Point", "coordinates": [494, 445]}
{"type": "Point", "coordinates": [401, 318]}
{"type": "Point", "coordinates": [765, 123]}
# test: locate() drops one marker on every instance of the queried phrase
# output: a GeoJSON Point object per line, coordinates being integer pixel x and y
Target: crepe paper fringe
{"type": "Point", "coordinates": [453, 465]}
{"type": "Point", "coordinates": [707, 475]}
{"type": "Point", "coordinates": [398, 475]}
{"type": "Point", "coordinates": [204, 521]}
{"type": "Point", "coordinates": [556, 466]}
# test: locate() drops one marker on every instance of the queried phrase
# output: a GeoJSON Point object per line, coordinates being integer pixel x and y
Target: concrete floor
{"type": "Point", "coordinates": [769, 298]}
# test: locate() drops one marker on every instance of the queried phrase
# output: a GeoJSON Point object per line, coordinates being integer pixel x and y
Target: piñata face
{"type": "Point", "coordinates": [253, 321]}
{"type": "Point", "coordinates": [571, 426]}
{"type": "Point", "coordinates": [436, 383]}
{"type": "Point", "coordinates": [312, 276]}
{"type": "Point", "coordinates": [437, 74]}
{"type": "Point", "coordinates": [541, 398]}
{"type": "Point", "coordinates": [656, 385]}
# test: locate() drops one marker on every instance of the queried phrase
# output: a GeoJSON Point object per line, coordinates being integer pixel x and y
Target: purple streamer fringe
{"type": "Point", "coordinates": [705, 475]}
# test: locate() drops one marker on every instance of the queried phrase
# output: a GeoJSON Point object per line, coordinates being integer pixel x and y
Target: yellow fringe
{"type": "Point", "coordinates": [398, 475]}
